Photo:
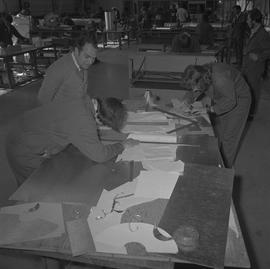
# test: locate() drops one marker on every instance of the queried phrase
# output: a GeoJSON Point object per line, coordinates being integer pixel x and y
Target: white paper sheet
{"type": "Point", "coordinates": [149, 152]}
{"type": "Point", "coordinates": [156, 184]}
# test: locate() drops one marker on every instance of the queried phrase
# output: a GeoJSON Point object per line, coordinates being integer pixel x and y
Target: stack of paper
{"type": "Point", "coordinates": [155, 138]}
{"type": "Point", "coordinates": [146, 117]}
{"type": "Point", "coordinates": [151, 152]}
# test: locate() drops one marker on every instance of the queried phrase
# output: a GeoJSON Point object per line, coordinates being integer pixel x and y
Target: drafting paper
{"type": "Point", "coordinates": [155, 138]}
{"type": "Point", "coordinates": [149, 151]}
{"type": "Point", "coordinates": [156, 129]}
{"type": "Point", "coordinates": [18, 224]}
{"type": "Point", "coordinates": [156, 184]}
{"type": "Point", "coordinates": [164, 165]}
{"type": "Point", "coordinates": [150, 117]}
{"type": "Point", "coordinates": [116, 237]}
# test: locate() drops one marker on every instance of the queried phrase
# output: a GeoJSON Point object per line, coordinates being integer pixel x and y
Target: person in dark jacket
{"type": "Point", "coordinates": [256, 52]}
{"type": "Point", "coordinates": [67, 78]}
{"type": "Point", "coordinates": [44, 131]}
{"type": "Point", "coordinates": [205, 31]}
{"type": "Point", "coordinates": [238, 33]}
{"type": "Point", "coordinates": [230, 100]}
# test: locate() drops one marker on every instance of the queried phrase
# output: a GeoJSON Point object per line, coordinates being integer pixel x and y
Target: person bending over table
{"type": "Point", "coordinates": [67, 78]}
{"type": "Point", "coordinates": [46, 130]}
{"type": "Point", "coordinates": [230, 99]}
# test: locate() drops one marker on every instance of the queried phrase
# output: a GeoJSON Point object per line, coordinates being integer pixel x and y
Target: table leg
{"type": "Point", "coordinates": [55, 52]}
{"type": "Point", "coordinates": [103, 39]}
{"type": "Point", "coordinates": [11, 81]}
{"type": "Point", "coordinates": [34, 62]}
{"type": "Point", "coordinates": [120, 40]}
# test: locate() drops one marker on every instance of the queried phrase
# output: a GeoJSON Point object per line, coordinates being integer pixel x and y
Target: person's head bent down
{"type": "Point", "coordinates": [198, 78]}
{"type": "Point", "coordinates": [110, 112]}
{"type": "Point", "coordinates": [85, 51]}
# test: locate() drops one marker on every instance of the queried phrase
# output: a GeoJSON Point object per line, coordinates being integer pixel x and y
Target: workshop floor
{"type": "Point", "coordinates": [252, 184]}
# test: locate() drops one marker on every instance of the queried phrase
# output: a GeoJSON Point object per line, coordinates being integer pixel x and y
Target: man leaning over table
{"type": "Point", "coordinates": [41, 133]}
{"type": "Point", "coordinates": [230, 99]}
{"type": "Point", "coordinates": [67, 78]}
{"type": "Point", "coordinates": [255, 54]}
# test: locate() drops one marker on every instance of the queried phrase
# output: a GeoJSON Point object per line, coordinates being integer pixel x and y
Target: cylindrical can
{"type": "Point", "coordinates": [147, 96]}
{"type": "Point", "coordinates": [108, 21]}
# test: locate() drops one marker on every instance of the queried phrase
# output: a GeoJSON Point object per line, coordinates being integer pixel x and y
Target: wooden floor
{"type": "Point", "coordinates": [252, 184]}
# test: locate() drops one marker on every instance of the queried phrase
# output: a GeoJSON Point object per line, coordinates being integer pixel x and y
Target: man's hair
{"type": "Point", "coordinates": [192, 69]}
{"type": "Point", "coordinates": [204, 71]}
{"type": "Point", "coordinates": [111, 112]}
{"type": "Point", "coordinates": [237, 8]}
{"type": "Point", "coordinates": [255, 15]}
{"type": "Point", "coordinates": [88, 38]}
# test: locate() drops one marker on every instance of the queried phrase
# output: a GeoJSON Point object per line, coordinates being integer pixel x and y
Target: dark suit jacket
{"type": "Point", "coordinates": [258, 43]}
{"type": "Point", "coordinates": [239, 27]}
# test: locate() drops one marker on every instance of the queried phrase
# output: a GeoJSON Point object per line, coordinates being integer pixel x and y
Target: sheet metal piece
{"type": "Point", "coordinates": [200, 203]}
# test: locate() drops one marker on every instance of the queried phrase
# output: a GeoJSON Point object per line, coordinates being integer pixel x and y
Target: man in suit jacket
{"type": "Point", "coordinates": [256, 52]}
{"type": "Point", "coordinates": [67, 78]}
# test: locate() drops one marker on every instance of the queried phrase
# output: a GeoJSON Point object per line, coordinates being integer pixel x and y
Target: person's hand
{"type": "Point", "coordinates": [253, 56]}
{"type": "Point", "coordinates": [129, 143]}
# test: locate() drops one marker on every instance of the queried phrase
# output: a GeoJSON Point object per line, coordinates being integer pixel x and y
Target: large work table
{"type": "Point", "coordinates": [75, 181]}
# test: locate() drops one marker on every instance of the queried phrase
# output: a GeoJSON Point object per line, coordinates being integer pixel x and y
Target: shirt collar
{"type": "Point", "coordinates": [75, 61]}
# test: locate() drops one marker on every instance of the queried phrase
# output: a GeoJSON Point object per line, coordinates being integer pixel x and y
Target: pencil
{"type": "Point", "coordinates": [179, 128]}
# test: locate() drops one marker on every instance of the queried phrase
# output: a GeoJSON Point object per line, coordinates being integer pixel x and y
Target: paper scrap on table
{"type": "Point", "coordinates": [155, 184]}
{"type": "Point", "coordinates": [114, 239]}
{"type": "Point", "coordinates": [149, 151]}
{"type": "Point", "coordinates": [164, 165]}
{"type": "Point", "coordinates": [154, 116]}
{"type": "Point", "coordinates": [21, 223]}
{"type": "Point", "coordinates": [232, 223]}
{"type": "Point", "coordinates": [155, 138]}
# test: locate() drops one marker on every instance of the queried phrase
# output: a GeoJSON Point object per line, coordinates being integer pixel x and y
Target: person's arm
{"type": "Point", "coordinates": [50, 85]}
{"type": "Point", "coordinates": [224, 99]}
{"type": "Point", "coordinates": [83, 135]}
